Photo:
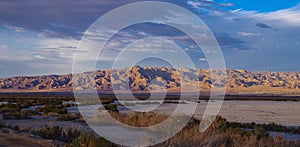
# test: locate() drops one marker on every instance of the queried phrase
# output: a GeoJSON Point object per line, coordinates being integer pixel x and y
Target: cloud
{"type": "Point", "coordinates": [248, 34]}
{"type": "Point", "coordinates": [202, 59]}
{"type": "Point", "coordinates": [262, 25]}
{"type": "Point", "coordinates": [227, 40]}
{"type": "Point", "coordinates": [281, 18]}
{"type": "Point", "coordinates": [69, 17]}
{"type": "Point", "coordinates": [226, 4]}
{"type": "Point", "coordinates": [19, 29]}
{"type": "Point", "coordinates": [43, 39]}
{"type": "Point", "coordinates": [35, 54]}
{"type": "Point", "coordinates": [195, 4]}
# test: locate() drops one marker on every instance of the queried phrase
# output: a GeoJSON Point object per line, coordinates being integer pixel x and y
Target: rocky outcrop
{"type": "Point", "coordinates": [154, 78]}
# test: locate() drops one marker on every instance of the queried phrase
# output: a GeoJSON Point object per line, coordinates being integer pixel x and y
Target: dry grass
{"type": "Point", "coordinates": [140, 119]}
{"type": "Point", "coordinates": [218, 134]}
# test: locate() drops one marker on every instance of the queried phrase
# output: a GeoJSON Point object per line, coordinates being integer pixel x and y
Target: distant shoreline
{"type": "Point", "coordinates": [143, 96]}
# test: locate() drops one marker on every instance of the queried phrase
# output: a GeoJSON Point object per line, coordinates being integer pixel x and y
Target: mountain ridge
{"type": "Point", "coordinates": [159, 78]}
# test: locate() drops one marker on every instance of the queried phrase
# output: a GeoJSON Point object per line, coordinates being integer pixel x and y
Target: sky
{"type": "Point", "coordinates": [39, 37]}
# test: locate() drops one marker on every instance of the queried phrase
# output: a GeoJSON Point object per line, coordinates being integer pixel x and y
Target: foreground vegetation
{"type": "Point", "coordinates": [269, 127]}
{"type": "Point", "coordinates": [220, 133]}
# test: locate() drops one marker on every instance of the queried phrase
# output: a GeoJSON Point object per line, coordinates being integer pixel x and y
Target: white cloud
{"type": "Point", "coordinates": [285, 17]}
{"type": "Point", "coordinates": [19, 29]}
{"type": "Point", "coordinates": [248, 34]}
{"type": "Point", "coordinates": [202, 59]}
{"type": "Point", "coordinates": [194, 4]}
{"type": "Point", "coordinates": [227, 4]}
{"type": "Point", "coordinates": [142, 33]}
{"type": "Point", "coordinates": [39, 57]}
{"type": "Point", "coordinates": [61, 48]}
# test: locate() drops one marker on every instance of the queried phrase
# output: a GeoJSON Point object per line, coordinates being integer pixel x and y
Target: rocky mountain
{"type": "Point", "coordinates": [158, 78]}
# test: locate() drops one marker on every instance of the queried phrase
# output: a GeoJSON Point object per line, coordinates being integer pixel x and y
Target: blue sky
{"type": "Point", "coordinates": [40, 37]}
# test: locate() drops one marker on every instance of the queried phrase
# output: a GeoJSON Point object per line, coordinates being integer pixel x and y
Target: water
{"type": "Point", "coordinates": [288, 136]}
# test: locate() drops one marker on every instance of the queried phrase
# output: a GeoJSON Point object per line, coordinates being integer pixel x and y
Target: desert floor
{"type": "Point", "coordinates": [280, 112]}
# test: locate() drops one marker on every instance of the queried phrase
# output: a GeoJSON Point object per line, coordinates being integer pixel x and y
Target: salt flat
{"type": "Point", "coordinates": [281, 112]}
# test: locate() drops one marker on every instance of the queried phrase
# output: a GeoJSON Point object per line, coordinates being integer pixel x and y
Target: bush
{"type": "Point", "coordinates": [24, 114]}
{"type": "Point", "coordinates": [89, 139]}
{"type": "Point", "coordinates": [57, 133]}
{"type": "Point", "coordinates": [70, 135]}
{"type": "Point", "coordinates": [67, 117]}
{"type": "Point", "coordinates": [53, 108]}
{"type": "Point", "coordinates": [111, 107]}
{"type": "Point", "coordinates": [16, 128]}
{"type": "Point", "coordinates": [269, 127]}
{"type": "Point", "coordinates": [260, 132]}
{"type": "Point", "coordinates": [9, 107]}
{"type": "Point", "coordinates": [51, 132]}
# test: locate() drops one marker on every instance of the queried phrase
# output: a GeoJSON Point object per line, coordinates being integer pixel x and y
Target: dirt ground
{"type": "Point", "coordinates": [9, 138]}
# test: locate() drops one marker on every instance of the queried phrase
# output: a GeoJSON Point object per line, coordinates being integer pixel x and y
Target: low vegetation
{"type": "Point", "coordinates": [59, 109]}
{"type": "Point", "coordinates": [69, 117]}
{"type": "Point", "coordinates": [269, 127]}
{"type": "Point", "coordinates": [220, 133]}
{"type": "Point", "coordinates": [111, 107]}
{"type": "Point", "coordinates": [89, 139]}
{"type": "Point", "coordinates": [19, 109]}
{"type": "Point", "coordinates": [57, 133]}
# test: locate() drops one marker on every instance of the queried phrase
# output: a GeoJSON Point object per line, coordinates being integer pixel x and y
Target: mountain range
{"type": "Point", "coordinates": [159, 78]}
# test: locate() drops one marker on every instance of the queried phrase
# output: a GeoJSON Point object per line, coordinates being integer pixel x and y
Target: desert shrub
{"type": "Point", "coordinates": [9, 107]}
{"type": "Point", "coordinates": [57, 133]}
{"type": "Point", "coordinates": [69, 105]}
{"type": "Point", "coordinates": [40, 102]}
{"type": "Point", "coordinates": [89, 139]}
{"type": "Point", "coordinates": [268, 127]}
{"type": "Point", "coordinates": [24, 114]}
{"type": "Point", "coordinates": [297, 130]}
{"type": "Point", "coordinates": [64, 117]}
{"type": "Point", "coordinates": [105, 102]}
{"type": "Point", "coordinates": [51, 132]}
{"type": "Point", "coordinates": [70, 135]}
{"type": "Point", "coordinates": [16, 128]}
{"type": "Point", "coordinates": [68, 117]}
{"type": "Point", "coordinates": [221, 134]}
{"type": "Point", "coordinates": [260, 132]}
{"type": "Point", "coordinates": [54, 102]}
{"type": "Point", "coordinates": [26, 103]}
{"type": "Point", "coordinates": [139, 119]}
{"type": "Point", "coordinates": [111, 107]}
{"type": "Point", "coordinates": [53, 108]}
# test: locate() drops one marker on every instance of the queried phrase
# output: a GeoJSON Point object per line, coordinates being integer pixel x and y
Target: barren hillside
{"type": "Point", "coordinates": [158, 78]}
